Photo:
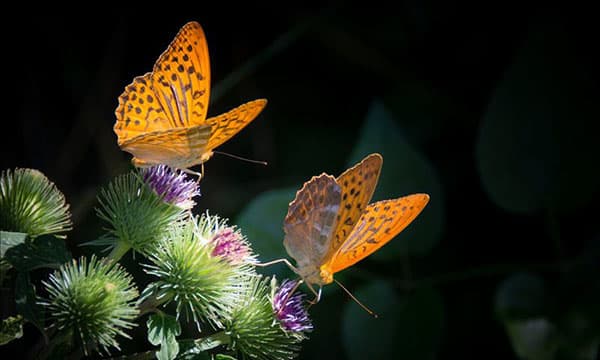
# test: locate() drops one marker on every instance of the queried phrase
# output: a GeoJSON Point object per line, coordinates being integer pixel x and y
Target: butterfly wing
{"type": "Point", "coordinates": [311, 220]}
{"type": "Point", "coordinates": [226, 125]}
{"type": "Point", "coordinates": [180, 147]}
{"type": "Point", "coordinates": [379, 224]}
{"type": "Point", "coordinates": [175, 94]}
{"type": "Point", "coordinates": [181, 77]}
{"type": "Point", "coordinates": [139, 111]}
{"type": "Point", "coordinates": [357, 184]}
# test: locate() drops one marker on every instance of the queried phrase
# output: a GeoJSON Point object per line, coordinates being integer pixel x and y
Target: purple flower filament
{"type": "Point", "coordinates": [175, 188]}
{"type": "Point", "coordinates": [229, 245]}
{"type": "Point", "coordinates": [289, 309]}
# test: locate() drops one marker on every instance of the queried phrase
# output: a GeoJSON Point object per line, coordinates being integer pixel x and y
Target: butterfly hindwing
{"type": "Point", "coordinates": [357, 184]}
{"type": "Point", "coordinates": [380, 223]}
{"type": "Point", "coordinates": [178, 147]}
{"type": "Point", "coordinates": [230, 123]}
{"type": "Point", "coordinates": [311, 220]}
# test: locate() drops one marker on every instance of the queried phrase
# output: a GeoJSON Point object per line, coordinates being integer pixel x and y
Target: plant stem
{"type": "Point", "coordinates": [54, 341]}
{"type": "Point", "coordinates": [151, 304]}
{"type": "Point", "coordinates": [212, 341]}
{"type": "Point", "coordinates": [118, 251]}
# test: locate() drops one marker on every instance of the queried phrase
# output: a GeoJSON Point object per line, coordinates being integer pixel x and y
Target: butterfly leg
{"type": "Point", "coordinates": [317, 294]}
{"type": "Point", "coordinates": [285, 261]}
{"type": "Point", "coordinates": [188, 171]}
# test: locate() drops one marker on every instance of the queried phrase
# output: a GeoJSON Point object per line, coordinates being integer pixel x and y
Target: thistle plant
{"type": "Point", "coordinates": [290, 309]}
{"type": "Point", "coordinates": [31, 204]}
{"type": "Point", "coordinates": [173, 186]}
{"type": "Point", "coordinates": [226, 241]}
{"type": "Point", "coordinates": [201, 269]}
{"type": "Point", "coordinates": [94, 301]}
{"type": "Point", "coordinates": [201, 282]}
{"type": "Point", "coordinates": [260, 327]}
{"type": "Point", "coordinates": [141, 207]}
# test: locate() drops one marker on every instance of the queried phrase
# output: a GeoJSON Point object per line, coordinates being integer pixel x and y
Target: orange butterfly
{"type": "Point", "coordinates": [330, 225]}
{"type": "Point", "coordinates": [161, 117]}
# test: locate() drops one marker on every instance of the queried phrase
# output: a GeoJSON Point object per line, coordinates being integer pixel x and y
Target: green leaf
{"type": "Point", "coordinates": [9, 240]}
{"type": "Point", "coordinates": [26, 301]}
{"type": "Point", "coordinates": [11, 329]}
{"type": "Point", "coordinates": [405, 171]}
{"type": "Point", "coordinates": [262, 223]}
{"type": "Point", "coordinates": [541, 326]}
{"type": "Point", "coordinates": [188, 350]}
{"type": "Point", "coordinates": [163, 330]}
{"type": "Point", "coordinates": [224, 357]}
{"type": "Point", "coordinates": [42, 252]}
{"type": "Point", "coordinates": [522, 296]}
{"type": "Point", "coordinates": [533, 339]}
{"type": "Point", "coordinates": [408, 327]}
{"type": "Point", "coordinates": [538, 140]}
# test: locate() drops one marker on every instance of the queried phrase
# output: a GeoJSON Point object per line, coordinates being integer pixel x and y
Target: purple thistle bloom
{"type": "Point", "coordinates": [174, 187]}
{"type": "Point", "coordinates": [290, 309]}
{"type": "Point", "coordinates": [230, 245]}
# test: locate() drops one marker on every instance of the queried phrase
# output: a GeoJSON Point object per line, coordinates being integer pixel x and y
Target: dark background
{"type": "Point", "coordinates": [492, 109]}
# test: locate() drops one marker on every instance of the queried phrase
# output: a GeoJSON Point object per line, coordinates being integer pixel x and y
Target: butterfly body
{"type": "Point", "coordinates": [330, 225]}
{"type": "Point", "coordinates": [162, 115]}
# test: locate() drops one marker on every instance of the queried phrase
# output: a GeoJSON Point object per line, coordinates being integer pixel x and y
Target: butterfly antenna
{"type": "Point", "coordinates": [371, 312]}
{"type": "Point", "coordinates": [241, 158]}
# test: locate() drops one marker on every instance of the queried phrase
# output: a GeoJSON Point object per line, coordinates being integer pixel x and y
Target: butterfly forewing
{"type": "Point", "coordinates": [379, 224]}
{"type": "Point", "coordinates": [311, 220]}
{"type": "Point", "coordinates": [230, 123]}
{"type": "Point", "coordinates": [357, 184]}
{"type": "Point", "coordinates": [181, 77]}
{"type": "Point", "coordinates": [174, 95]}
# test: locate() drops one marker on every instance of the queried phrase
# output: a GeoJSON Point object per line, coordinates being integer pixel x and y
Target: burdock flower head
{"type": "Point", "coordinates": [200, 284]}
{"type": "Point", "coordinates": [227, 241]}
{"type": "Point", "coordinates": [256, 330]}
{"type": "Point", "coordinates": [290, 309]}
{"type": "Point", "coordinates": [93, 301]}
{"type": "Point", "coordinates": [174, 186]}
{"type": "Point", "coordinates": [31, 204]}
{"type": "Point", "coordinates": [141, 209]}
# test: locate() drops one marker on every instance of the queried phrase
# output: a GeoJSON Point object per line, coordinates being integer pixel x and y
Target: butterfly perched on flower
{"type": "Point", "coordinates": [330, 225]}
{"type": "Point", "coordinates": [162, 115]}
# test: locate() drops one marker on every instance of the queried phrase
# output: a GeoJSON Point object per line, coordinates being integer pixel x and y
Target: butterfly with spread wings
{"type": "Point", "coordinates": [162, 115]}
{"type": "Point", "coordinates": [330, 225]}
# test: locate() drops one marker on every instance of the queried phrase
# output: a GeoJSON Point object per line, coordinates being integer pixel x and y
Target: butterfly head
{"type": "Point", "coordinates": [326, 275]}
{"type": "Point", "coordinates": [316, 275]}
{"type": "Point", "coordinates": [205, 156]}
